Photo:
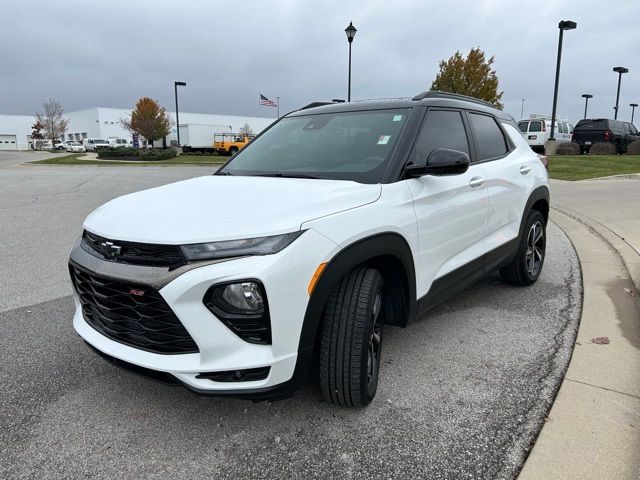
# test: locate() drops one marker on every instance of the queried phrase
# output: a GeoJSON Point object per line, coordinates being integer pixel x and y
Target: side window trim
{"type": "Point", "coordinates": [508, 143]}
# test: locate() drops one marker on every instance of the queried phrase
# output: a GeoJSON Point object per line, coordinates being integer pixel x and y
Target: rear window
{"type": "Point", "coordinates": [535, 126]}
{"type": "Point", "coordinates": [490, 141]}
{"type": "Point", "coordinates": [597, 124]}
{"type": "Point", "coordinates": [523, 126]}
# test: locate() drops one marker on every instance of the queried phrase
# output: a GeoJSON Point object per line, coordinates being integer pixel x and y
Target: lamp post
{"type": "Point", "coordinates": [175, 88]}
{"type": "Point", "coordinates": [633, 110]}
{"type": "Point", "coordinates": [562, 26]}
{"type": "Point", "coordinates": [619, 71]}
{"type": "Point", "coordinates": [522, 109]}
{"type": "Point", "coordinates": [586, 97]}
{"type": "Point", "coordinates": [351, 32]}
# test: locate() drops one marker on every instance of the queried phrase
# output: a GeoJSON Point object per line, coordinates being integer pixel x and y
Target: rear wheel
{"type": "Point", "coordinates": [351, 339]}
{"type": "Point", "coordinates": [527, 265]}
{"type": "Point", "coordinates": [233, 150]}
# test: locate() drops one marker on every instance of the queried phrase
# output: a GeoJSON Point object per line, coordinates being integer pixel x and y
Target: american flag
{"type": "Point", "coordinates": [266, 102]}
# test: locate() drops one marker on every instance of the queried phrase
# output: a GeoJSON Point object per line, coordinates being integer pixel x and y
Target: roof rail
{"type": "Point", "coordinates": [317, 104]}
{"type": "Point", "coordinates": [453, 96]}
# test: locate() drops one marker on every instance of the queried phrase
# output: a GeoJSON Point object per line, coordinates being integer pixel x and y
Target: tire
{"type": "Point", "coordinates": [233, 150]}
{"type": "Point", "coordinates": [525, 268]}
{"type": "Point", "coordinates": [351, 339]}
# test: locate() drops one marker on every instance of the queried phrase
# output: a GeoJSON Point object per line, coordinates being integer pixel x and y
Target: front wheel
{"type": "Point", "coordinates": [525, 268]}
{"type": "Point", "coordinates": [351, 339]}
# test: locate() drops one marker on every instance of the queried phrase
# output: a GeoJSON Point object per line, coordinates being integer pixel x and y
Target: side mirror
{"type": "Point", "coordinates": [441, 161]}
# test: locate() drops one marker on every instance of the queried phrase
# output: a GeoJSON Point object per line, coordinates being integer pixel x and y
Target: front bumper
{"type": "Point", "coordinates": [285, 277]}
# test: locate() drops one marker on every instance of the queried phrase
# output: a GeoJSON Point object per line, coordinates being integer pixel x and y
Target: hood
{"type": "Point", "coordinates": [214, 208]}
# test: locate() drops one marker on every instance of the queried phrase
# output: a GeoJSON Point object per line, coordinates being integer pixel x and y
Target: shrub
{"type": "Point", "coordinates": [155, 155]}
{"type": "Point", "coordinates": [110, 152]}
{"type": "Point", "coordinates": [634, 148]}
{"type": "Point", "coordinates": [603, 148]}
{"type": "Point", "coordinates": [197, 153]}
{"type": "Point", "coordinates": [568, 148]}
{"type": "Point", "coordinates": [215, 153]}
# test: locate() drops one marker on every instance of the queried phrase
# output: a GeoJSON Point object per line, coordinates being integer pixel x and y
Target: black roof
{"type": "Point", "coordinates": [429, 98]}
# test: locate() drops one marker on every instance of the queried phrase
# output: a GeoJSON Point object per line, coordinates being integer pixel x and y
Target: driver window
{"type": "Point", "coordinates": [441, 129]}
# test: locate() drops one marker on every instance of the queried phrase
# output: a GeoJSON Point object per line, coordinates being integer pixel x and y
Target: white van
{"type": "Point", "coordinates": [537, 130]}
{"type": "Point", "coordinates": [119, 142]}
{"type": "Point", "coordinates": [91, 144]}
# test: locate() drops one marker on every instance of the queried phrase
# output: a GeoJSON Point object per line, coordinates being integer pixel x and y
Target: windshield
{"type": "Point", "coordinates": [343, 146]}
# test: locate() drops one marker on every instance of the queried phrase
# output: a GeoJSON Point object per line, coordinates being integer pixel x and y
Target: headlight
{"type": "Point", "coordinates": [238, 248]}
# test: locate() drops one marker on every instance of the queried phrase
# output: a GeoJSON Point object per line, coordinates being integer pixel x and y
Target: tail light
{"type": "Point", "coordinates": [573, 136]}
{"type": "Point", "coordinates": [544, 126]}
{"type": "Point", "coordinates": [543, 159]}
{"type": "Point", "coordinates": [607, 135]}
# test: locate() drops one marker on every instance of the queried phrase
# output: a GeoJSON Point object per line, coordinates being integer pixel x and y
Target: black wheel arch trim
{"type": "Point", "coordinates": [359, 252]}
{"type": "Point", "coordinates": [539, 193]}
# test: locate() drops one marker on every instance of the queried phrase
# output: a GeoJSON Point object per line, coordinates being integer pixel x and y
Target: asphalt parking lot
{"type": "Point", "coordinates": [463, 392]}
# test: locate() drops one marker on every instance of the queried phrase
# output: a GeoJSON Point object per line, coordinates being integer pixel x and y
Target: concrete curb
{"type": "Point", "coordinates": [629, 255]}
{"type": "Point", "coordinates": [593, 428]}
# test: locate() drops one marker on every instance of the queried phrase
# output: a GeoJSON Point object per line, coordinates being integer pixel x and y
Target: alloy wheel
{"type": "Point", "coordinates": [535, 248]}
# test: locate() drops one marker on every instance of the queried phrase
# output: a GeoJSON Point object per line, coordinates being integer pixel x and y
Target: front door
{"type": "Point", "coordinates": [451, 210]}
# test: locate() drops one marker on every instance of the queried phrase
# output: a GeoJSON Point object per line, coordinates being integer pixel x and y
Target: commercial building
{"type": "Point", "coordinates": [101, 122]}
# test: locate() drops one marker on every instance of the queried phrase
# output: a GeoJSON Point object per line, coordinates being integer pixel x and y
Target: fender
{"type": "Point", "coordinates": [355, 254]}
{"type": "Point", "coordinates": [539, 193]}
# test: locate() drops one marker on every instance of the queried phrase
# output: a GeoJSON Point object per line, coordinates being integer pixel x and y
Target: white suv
{"type": "Point", "coordinates": [285, 264]}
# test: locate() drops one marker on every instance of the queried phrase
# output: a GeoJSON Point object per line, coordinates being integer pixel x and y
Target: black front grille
{"type": "Point", "coordinates": [146, 254]}
{"type": "Point", "coordinates": [133, 314]}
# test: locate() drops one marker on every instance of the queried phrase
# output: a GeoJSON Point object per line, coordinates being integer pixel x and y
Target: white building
{"type": "Point", "coordinates": [101, 122]}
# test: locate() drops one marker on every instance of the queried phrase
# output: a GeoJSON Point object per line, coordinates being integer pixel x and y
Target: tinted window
{"type": "Point", "coordinates": [523, 126]}
{"type": "Point", "coordinates": [489, 138]}
{"type": "Point", "coordinates": [344, 145]}
{"type": "Point", "coordinates": [535, 126]}
{"type": "Point", "coordinates": [441, 129]}
{"type": "Point", "coordinates": [634, 130]}
{"type": "Point", "coordinates": [597, 124]}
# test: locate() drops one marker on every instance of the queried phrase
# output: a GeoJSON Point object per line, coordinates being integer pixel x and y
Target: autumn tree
{"type": "Point", "coordinates": [246, 130]}
{"type": "Point", "coordinates": [149, 120]}
{"type": "Point", "coordinates": [36, 131]}
{"type": "Point", "coordinates": [472, 76]}
{"type": "Point", "coordinates": [51, 120]}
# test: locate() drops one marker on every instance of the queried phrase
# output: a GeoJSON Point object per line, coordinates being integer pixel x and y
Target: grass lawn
{"type": "Point", "coordinates": [73, 159]}
{"type": "Point", "coordinates": [580, 167]}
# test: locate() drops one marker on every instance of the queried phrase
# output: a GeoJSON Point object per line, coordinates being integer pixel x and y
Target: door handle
{"type": "Point", "coordinates": [476, 182]}
{"type": "Point", "coordinates": [524, 169]}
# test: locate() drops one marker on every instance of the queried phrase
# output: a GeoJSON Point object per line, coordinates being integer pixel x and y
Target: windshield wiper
{"type": "Point", "coordinates": [286, 175]}
{"type": "Point", "coordinates": [222, 173]}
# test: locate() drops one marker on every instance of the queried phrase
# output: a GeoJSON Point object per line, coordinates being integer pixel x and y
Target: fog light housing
{"type": "Point", "coordinates": [242, 306]}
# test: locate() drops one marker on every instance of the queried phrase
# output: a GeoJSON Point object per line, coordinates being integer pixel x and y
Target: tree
{"type": "Point", "coordinates": [246, 130]}
{"type": "Point", "coordinates": [36, 131]}
{"type": "Point", "coordinates": [51, 120]}
{"type": "Point", "coordinates": [149, 120]}
{"type": "Point", "coordinates": [472, 76]}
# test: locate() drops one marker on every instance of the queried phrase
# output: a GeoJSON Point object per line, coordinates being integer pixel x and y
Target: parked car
{"type": "Point", "coordinates": [595, 130]}
{"type": "Point", "coordinates": [92, 144]}
{"type": "Point", "coordinates": [61, 145]}
{"type": "Point", "coordinates": [119, 142]}
{"type": "Point", "coordinates": [538, 130]}
{"type": "Point", "coordinates": [75, 147]}
{"type": "Point", "coordinates": [334, 221]}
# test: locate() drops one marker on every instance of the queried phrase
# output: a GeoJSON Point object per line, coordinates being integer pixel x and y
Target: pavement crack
{"type": "Point", "coordinates": [603, 388]}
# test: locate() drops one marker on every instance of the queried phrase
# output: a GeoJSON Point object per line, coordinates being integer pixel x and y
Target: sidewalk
{"type": "Point", "coordinates": [593, 428]}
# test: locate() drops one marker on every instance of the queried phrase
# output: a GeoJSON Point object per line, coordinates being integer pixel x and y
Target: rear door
{"type": "Point", "coordinates": [510, 178]}
{"type": "Point", "coordinates": [451, 211]}
{"type": "Point", "coordinates": [588, 131]}
{"type": "Point", "coordinates": [535, 137]}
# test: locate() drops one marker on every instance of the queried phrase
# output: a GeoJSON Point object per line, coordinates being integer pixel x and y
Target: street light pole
{"type": "Point", "coordinates": [522, 109]}
{"type": "Point", "coordinates": [586, 97]}
{"type": "Point", "coordinates": [175, 88]}
{"type": "Point", "coordinates": [351, 32]}
{"type": "Point", "coordinates": [620, 71]}
{"type": "Point", "coordinates": [562, 26]}
{"type": "Point", "coordinates": [633, 110]}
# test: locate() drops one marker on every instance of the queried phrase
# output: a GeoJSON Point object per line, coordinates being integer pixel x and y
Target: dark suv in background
{"type": "Point", "coordinates": [596, 130]}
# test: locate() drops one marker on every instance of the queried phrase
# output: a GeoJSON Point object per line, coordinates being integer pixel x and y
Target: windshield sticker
{"type": "Point", "coordinates": [384, 139]}
{"type": "Point", "coordinates": [397, 118]}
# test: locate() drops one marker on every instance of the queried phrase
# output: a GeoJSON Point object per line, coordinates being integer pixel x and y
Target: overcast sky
{"type": "Point", "coordinates": [110, 53]}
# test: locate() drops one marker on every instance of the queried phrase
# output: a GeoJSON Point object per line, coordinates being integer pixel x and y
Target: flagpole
{"type": "Point", "coordinates": [278, 98]}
